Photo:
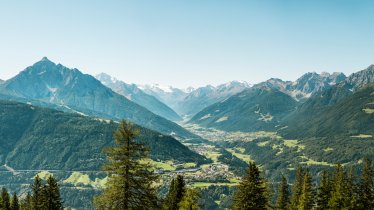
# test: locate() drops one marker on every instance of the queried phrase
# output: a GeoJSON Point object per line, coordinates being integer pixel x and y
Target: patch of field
{"type": "Point", "coordinates": [222, 119]}
{"type": "Point", "coordinates": [328, 149]}
{"type": "Point", "coordinates": [207, 184]}
{"type": "Point", "coordinates": [263, 144]}
{"type": "Point", "coordinates": [78, 178]}
{"type": "Point", "coordinates": [167, 166]}
{"type": "Point", "coordinates": [44, 175]}
{"type": "Point", "coordinates": [212, 155]}
{"type": "Point", "coordinates": [362, 136]}
{"type": "Point", "coordinates": [244, 157]}
{"type": "Point", "coordinates": [310, 161]}
{"type": "Point", "coordinates": [234, 180]}
{"type": "Point", "coordinates": [188, 165]}
{"type": "Point", "coordinates": [293, 143]}
{"type": "Point", "coordinates": [368, 110]}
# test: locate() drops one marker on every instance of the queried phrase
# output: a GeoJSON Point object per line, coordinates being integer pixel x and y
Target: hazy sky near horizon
{"type": "Point", "coordinates": [189, 42]}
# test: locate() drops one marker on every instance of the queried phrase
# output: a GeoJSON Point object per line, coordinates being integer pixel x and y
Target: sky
{"type": "Point", "coordinates": [189, 42]}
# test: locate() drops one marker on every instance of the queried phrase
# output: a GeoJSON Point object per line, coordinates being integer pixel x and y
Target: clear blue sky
{"type": "Point", "coordinates": [191, 42]}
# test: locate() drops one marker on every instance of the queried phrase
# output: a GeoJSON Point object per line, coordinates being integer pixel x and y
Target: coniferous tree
{"type": "Point", "coordinates": [177, 188]}
{"type": "Point", "coordinates": [350, 197]}
{"type": "Point", "coordinates": [130, 182]}
{"type": "Point", "coordinates": [307, 193]}
{"type": "Point", "coordinates": [189, 200]}
{"type": "Point", "coordinates": [5, 198]}
{"type": "Point", "coordinates": [338, 192]}
{"type": "Point", "coordinates": [52, 198]}
{"type": "Point", "coordinates": [297, 188]}
{"type": "Point", "coordinates": [251, 192]}
{"type": "Point", "coordinates": [366, 187]}
{"type": "Point", "coordinates": [324, 191]}
{"type": "Point", "coordinates": [14, 205]}
{"type": "Point", "coordinates": [283, 200]}
{"type": "Point", "coordinates": [37, 194]}
{"type": "Point", "coordinates": [26, 203]}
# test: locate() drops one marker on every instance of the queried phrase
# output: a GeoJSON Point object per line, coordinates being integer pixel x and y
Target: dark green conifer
{"type": "Point", "coordinates": [297, 188]}
{"type": "Point", "coordinates": [131, 182]}
{"type": "Point", "coordinates": [366, 187]}
{"type": "Point", "coordinates": [175, 194]}
{"type": "Point", "coordinates": [324, 191]}
{"type": "Point", "coordinates": [26, 203]}
{"type": "Point", "coordinates": [338, 192]}
{"type": "Point", "coordinates": [307, 196]}
{"type": "Point", "coordinates": [14, 205]}
{"type": "Point", "coordinates": [189, 200]}
{"type": "Point", "coordinates": [37, 194]}
{"type": "Point", "coordinates": [5, 198]}
{"type": "Point", "coordinates": [52, 198]}
{"type": "Point", "coordinates": [251, 192]}
{"type": "Point", "coordinates": [283, 200]}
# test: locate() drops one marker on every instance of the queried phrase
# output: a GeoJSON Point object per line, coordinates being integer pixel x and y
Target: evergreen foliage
{"type": "Point", "coordinates": [175, 194]}
{"type": "Point", "coordinates": [251, 192]}
{"type": "Point", "coordinates": [5, 199]}
{"type": "Point", "coordinates": [14, 205]}
{"type": "Point", "coordinates": [366, 187]}
{"type": "Point", "coordinates": [297, 188]}
{"type": "Point", "coordinates": [324, 191]}
{"type": "Point", "coordinates": [131, 183]}
{"type": "Point", "coordinates": [307, 193]}
{"type": "Point", "coordinates": [283, 200]}
{"type": "Point", "coordinates": [189, 200]}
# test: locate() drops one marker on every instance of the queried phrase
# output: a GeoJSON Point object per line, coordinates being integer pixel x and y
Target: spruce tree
{"type": "Point", "coordinates": [251, 192]}
{"type": "Point", "coordinates": [338, 193]}
{"type": "Point", "coordinates": [14, 205]}
{"type": "Point", "coordinates": [283, 200]}
{"type": "Point", "coordinates": [324, 191]}
{"type": "Point", "coordinates": [350, 197]}
{"type": "Point", "coordinates": [130, 182]}
{"type": "Point", "coordinates": [366, 187]}
{"type": "Point", "coordinates": [297, 188]}
{"type": "Point", "coordinates": [307, 194]}
{"type": "Point", "coordinates": [189, 200]}
{"type": "Point", "coordinates": [176, 191]}
{"type": "Point", "coordinates": [37, 194]}
{"type": "Point", "coordinates": [26, 203]}
{"type": "Point", "coordinates": [52, 198]}
{"type": "Point", "coordinates": [5, 198]}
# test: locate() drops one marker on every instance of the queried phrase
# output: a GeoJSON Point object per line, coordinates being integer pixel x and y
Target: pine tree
{"type": "Point", "coordinates": [307, 194]}
{"type": "Point", "coordinates": [251, 192]}
{"type": "Point", "coordinates": [350, 197]}
{"type": "Point", "coordinates": [177, 188]}
{"type": "Point", "coordinates": [337, 200]}
{"type": "Point", "coordinates": [366, 188]}
{"type": "Point", "coordinates": [14, 204]}
{"type": "Point", "coordinates": [189, 200]}
{"type": "Point", "coordinates": [37, 194]}
{"type": "Point", "coordinates": [52, 198]}
{"type": "Point", "coordinates": [297, 188]}
{"type": "Point", "coordinates": [283, 200]}
{"type": "Point", "coordinates": [6, 199]}
{"type": "Point", "coordinates": [324, 191]}
{"type": "Point", "coordinates": [26, 203]}
{"type": "Point", "coordinates": [130, 182]}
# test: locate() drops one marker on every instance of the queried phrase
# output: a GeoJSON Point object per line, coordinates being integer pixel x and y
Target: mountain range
{"type": "Point", "coordinates": [51, 84]}
{"type": "Point", "coordinates": [135, 94]}
{"type": "Point", "coordinates": [189, 102]}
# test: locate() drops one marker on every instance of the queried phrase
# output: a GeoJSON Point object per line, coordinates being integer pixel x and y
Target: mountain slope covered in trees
{"type": "Point", "coordinates": [40, 138]}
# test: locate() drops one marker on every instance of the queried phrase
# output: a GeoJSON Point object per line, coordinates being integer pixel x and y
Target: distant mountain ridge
{"type": "Point", "coordinates": [69, 88]}
{"type": "Point", "coordinates": [190, 101]}
{"type": "Point", "coordinates": [135, 94]}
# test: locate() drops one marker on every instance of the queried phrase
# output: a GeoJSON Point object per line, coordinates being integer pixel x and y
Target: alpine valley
{"type": "Point", "coordinates": [57, 120]}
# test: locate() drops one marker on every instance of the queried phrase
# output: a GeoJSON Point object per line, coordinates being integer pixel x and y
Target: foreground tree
{"type": "Point", "coordinates": [14, 205]}
{"type": "Point", "coordinates": [251, 192]}
{"type": "Point", "coordinates": [51, 195]}
{"type": "Point", "coordinates": [366, 187]}
{"type": "Point", "coordinates": [283, 200]}
{"type": "Point", "coordinates": [131, 182]}
{"type": "Point", "coordinates": [189, 200]}
{"type": "Point", "coordinates": [37, 193]}
{"type": "Point", "coordinates": [307, 193]}
{"type": "Point", "coordinates": [176, 192]}
{"type": "Point", "coordinates": [5, 199]}
{"type": "Point", "coordinates": [297, 188]}
{"type": "Point", "coordinates": [324, 191]}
